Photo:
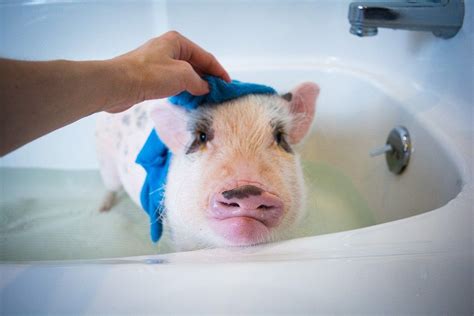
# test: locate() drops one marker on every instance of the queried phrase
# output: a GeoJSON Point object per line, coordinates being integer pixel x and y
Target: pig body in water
{"type": "Point", "coordinates": [234, 178]}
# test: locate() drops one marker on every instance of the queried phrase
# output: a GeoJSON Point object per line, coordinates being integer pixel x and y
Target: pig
{"type": "Point", "coordinates": [234, 178]}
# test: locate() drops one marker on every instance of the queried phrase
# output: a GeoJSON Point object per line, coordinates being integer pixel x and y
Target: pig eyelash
{"type": "Point", "coordinates": [162, 214]}
{"type": "Point", "coordinates": [279, 127]}
{"type": "Point", "coordinates": [280, 139]}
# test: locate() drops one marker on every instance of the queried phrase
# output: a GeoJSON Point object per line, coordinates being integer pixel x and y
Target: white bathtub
{"type": "Point", "coordinates": [418, 256]}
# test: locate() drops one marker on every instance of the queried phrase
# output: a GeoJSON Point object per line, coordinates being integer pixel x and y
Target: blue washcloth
{"type": "Point", "coordinates": [155, 156]}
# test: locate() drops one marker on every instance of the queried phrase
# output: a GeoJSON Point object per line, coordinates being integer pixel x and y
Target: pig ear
{"type": "Point", "coordinates": [302, 101]}
{"type": "Point", "coordinates": [170, 123]}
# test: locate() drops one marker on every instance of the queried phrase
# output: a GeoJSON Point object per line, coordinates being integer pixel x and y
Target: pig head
{"type": "Point", "coordinates": [235, 179]}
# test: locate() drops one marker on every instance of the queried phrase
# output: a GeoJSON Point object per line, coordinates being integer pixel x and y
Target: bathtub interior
{"type": "Point", "coordinates": [52, 214]}
{"type": "Point", "coordinates": [355, 113]}
{"type": "Point", "coordinates": [51, 188]}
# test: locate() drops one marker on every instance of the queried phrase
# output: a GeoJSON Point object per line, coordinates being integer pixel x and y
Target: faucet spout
{"type": "Point", "coordinates": [444, 19]}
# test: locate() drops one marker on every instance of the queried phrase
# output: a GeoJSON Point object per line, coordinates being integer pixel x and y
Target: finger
{"type": "Point", "coordinates": [193, 83]}
{"type": "Point", "coordinates": [201, 59]}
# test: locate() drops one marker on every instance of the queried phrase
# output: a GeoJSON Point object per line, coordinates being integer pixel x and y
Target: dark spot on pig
{"type": "Point", "coordinates": [242, 192]}
{"type": "Point", "coordinates": [126, 120]}
{"type": "Point", "coordinates": [141, 119]}
{"type": "Point", "coordinates": [287, 96]}
{"type": "Point", "coordinates": [119, 140]}
{"type": "Point", "coordinates": [200, 122]}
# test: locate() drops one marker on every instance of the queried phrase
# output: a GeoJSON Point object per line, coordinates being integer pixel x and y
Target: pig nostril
{"type": "Point", "coordinates": [230, 204]}
{"type": "Point", "coordinates": [264, 207]}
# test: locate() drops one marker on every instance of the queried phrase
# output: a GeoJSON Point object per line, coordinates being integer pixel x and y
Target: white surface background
{"type": "Point", "coordinates": [237, 32]}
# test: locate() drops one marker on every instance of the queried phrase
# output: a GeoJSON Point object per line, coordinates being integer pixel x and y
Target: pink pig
{"type": "Point", "coordinates": [234, 179]}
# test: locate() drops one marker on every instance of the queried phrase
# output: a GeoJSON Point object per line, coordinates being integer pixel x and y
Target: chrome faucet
{"type": "Point", "coordinates": [443, 18]}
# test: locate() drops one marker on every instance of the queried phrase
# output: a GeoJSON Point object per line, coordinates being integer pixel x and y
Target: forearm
{"type": "Point", "coordinates": [39, 97]}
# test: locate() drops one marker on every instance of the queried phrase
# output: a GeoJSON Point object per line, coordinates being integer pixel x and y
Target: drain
{"type": "Point", "coordinates": [397, 150]}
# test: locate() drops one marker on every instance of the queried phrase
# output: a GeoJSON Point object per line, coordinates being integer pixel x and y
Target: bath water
{"type": "Point", "coordinates": [333, 203]}
{"type": "Point", "coordinates": [50, 214]}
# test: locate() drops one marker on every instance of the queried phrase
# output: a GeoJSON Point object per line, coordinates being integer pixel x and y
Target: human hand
{"type": "Point", "coordinates": [165, 66]}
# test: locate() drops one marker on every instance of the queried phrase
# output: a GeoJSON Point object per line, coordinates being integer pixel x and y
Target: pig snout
{"type": "Point", "coordinates": [244, 215]}
{"type": "Point", "coordinates": [249, 201]}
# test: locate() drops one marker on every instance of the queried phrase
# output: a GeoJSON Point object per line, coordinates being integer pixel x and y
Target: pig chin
{"type": "Point", "coordinates": [244, 215]}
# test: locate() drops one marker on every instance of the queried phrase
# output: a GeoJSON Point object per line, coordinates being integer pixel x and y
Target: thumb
{"type": "Point", "coordinates": [193, 83]}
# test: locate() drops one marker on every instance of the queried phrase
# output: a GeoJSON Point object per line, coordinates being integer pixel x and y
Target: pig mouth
{"type": "Point", "coordinates": [268, 216]}
{"type": "Point", "coordinates": [245, 215]}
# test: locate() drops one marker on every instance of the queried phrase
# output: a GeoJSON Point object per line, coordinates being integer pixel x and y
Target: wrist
{"type": "Point", "coordinates": [125, 84]}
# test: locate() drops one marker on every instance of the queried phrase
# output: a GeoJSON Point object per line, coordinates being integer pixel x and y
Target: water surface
{"type": "Point", "coordinates": [48, 214]}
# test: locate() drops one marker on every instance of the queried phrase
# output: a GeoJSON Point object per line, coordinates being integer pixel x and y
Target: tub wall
{"type": "Point", "coordinates": [236, 32]}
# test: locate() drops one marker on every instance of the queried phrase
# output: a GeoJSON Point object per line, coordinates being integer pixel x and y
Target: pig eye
{"type": "Point", "coordinates": [279, 137]}
{"type": "Point", "coordinates": [202, 137]}
{"type": "Point", "coordinates": [281, 141]}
